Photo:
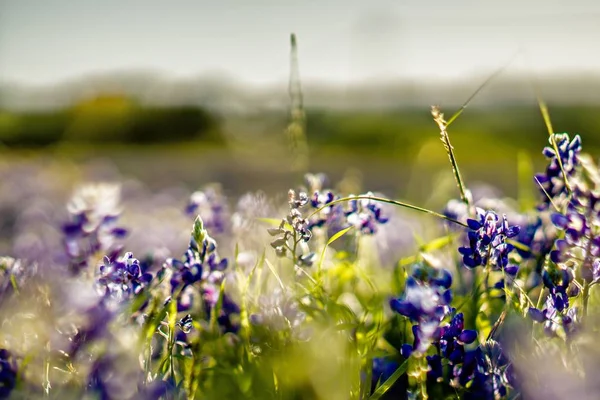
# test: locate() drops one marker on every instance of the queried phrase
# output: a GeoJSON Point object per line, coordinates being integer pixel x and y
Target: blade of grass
{"type": "Point", "coordinates": [479, 89]}
{"type": "Point", "coordinates": [385, 386]}
{"type": "Point", "coordinates": [332, 239]}
{"type": "Point", "coordinates": [272, 268]}
{"type": "Point", "coordinates": [393, 202]}
{"type": "Point", "coordinates": [546, 116]}
{"type": "Point", "coordinates": [438, 117]}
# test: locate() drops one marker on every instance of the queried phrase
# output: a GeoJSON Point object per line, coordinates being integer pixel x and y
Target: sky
{"type": "Point", "coordinates": [49, 41]}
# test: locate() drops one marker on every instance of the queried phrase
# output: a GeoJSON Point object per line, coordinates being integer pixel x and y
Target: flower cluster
{"type": "Point", "coordinates": [202, 267]}
{"type": "Point", "coordinates": [552, 182]}
{"type": "Point", "coordinates": [488, 370]}
{"type": "Point", "coordinates": [121, 279]}
{"type": "Point", "coordinates": [581, 226]}
{"type": "Point", "coordinates": [92, 228]}
{"type": "Point", "coordinates": [426, 301]}
{"type": "Point", "coordinates": [293, 231]}
{"type": "Point", "coordinates": [362, 213]}
{"type": "Point", "coordinates": [556, 312]}
{"type": "Point", "coordinates": [487, 242]}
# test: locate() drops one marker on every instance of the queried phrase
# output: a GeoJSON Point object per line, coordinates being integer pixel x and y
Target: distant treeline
{"type": "Point", "coordinates": [116, 119]}
{"type": "Point", "coordinates": [109, 119]}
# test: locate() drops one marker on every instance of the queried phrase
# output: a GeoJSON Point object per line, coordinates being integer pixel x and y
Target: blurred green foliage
{"type": "Point", "coordinates": [114, 119]}
{"type": "Point", "coordinates": [118, 119]}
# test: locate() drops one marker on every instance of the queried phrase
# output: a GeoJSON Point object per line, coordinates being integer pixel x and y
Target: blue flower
{"type": "Point", "coordinates": [8, 373]}
{"type": "Point", "coordinates": [92, 227]}
{"type": "Point", "coordinates": [426, 301]}
{"type": "Point", "coordinates": [553, 188]}
{"type": "Point", "coordinates": [487, 241]}
{"type": "Point", "coordinates": [453, 337]}
{"type": "Point", "coordinates": [123, 278]}
{"type": "Point", "coordinates": [365, 214]}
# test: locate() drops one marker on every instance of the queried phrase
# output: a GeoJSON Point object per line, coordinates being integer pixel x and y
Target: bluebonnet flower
{"type": "Point", "coordinates": [556, 312]}
{"type": "Point", "coordinates": [538, 235]}
{"type": "Point", "coordinates": [8, 373]}
{"type": "Point", "coordinates": [553, 319]}
{"type": "Point", "coordinates": [202, 267]}
{"type": "Point", "coordinates": [365, 214]}
{"type": "Point", "coordinates": [487, 241]}
{"type": "Point", "coordinates": [211, 205]}
{"type": "Point", "coordinates": [581, 243]}
{"type": "Point", "coordinates": [288, 240]}
{"type": "Point", "coordinates": [426, 302]}
{"type": "Point", "coordinates": [553, 188]}
{"type": "Point", "coordinates": [93, 226]}
{"type": "Point", "coordinates": [453, 337]}
{"type": "Point", "coordinates": [121, 279]}
{"type": "Point", "coordinates": [486, 373]}
{"type": "Point", "coordinates": [331, 217]}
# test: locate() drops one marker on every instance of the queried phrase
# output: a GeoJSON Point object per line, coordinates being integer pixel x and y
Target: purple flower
{"type": "Point", "coordinates": [123, 278]}
{"type": "Point", "coordinates": [453, 337]}
{"type": "Point", "coordinates": [581, 244]}
{"type": "Point", "coordinates": [92, 228]}
{"type": "Point", "coordinates": [365, 214]}
{"type": "Point", "coordinates": [487, 241]}
{"type": "Point", "coordinates": [426, 302]}
{"type": "Point", "coordinates": [8, 373]}
{"type": "Point", "coordinates": [553, 188]}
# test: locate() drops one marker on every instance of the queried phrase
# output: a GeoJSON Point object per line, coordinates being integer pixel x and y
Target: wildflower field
{"type": "Point", "coordinates": [127, 292]}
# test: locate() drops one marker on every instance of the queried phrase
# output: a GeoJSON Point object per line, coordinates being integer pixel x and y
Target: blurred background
{"type": "Point", "coordinates": [190, 92]}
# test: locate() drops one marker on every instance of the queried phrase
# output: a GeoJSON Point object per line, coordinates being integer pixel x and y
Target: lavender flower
{"type": "Point", "coordinates": [553, 187]}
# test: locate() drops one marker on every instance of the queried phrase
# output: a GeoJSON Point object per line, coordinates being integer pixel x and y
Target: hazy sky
{"type": "Point", "coordinates": [43, 41]}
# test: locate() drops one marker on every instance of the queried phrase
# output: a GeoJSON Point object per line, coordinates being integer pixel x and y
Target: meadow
{"type": "Point", "coordinates": [442, 258]}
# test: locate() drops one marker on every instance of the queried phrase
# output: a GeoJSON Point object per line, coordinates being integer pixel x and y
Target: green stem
{"type": "Point", "coordinates": [586, 297]}
{"type": "Point", "coordinates": [393, 202]}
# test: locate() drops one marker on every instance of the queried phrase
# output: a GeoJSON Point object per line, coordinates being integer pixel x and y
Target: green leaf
{"type": "Point", "coordinates": [385, 386]}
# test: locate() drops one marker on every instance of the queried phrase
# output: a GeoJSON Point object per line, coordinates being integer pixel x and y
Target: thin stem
{"type": "Point", "coordinates": [586, 297]}
{"type": "Point", "coordinates": [438, 117]}
{"type": "Point", "coordinates": [393, 202]}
